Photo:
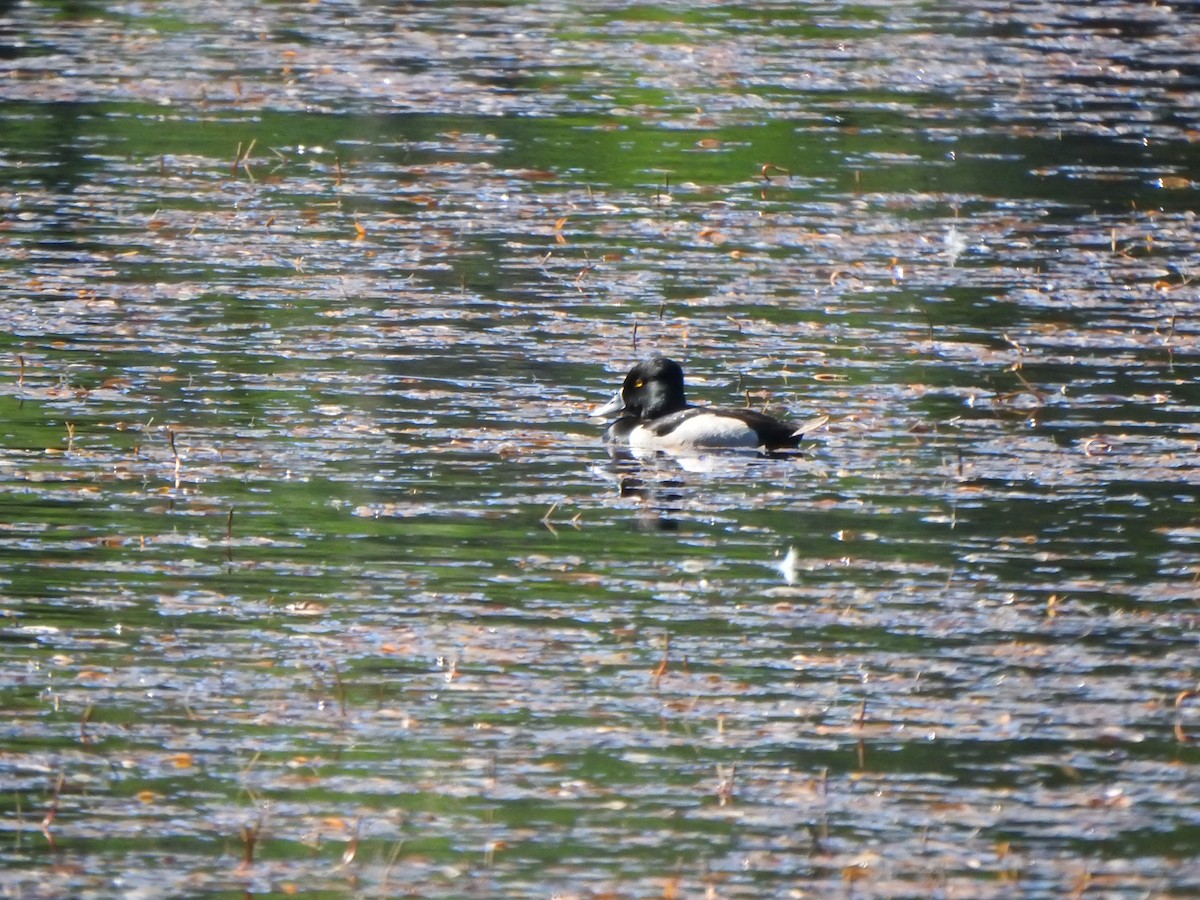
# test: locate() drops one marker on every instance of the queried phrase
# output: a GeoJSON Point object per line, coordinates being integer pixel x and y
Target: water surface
{"type": "Point", "coordinates": [317, 578]}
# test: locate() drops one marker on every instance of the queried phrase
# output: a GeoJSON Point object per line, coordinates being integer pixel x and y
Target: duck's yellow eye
{"type": "Point", "coordinates": [638, 383]}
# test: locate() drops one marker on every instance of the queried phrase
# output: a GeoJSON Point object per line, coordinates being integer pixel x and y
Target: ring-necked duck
{"type": "Point", "coordinates": [654, 415]}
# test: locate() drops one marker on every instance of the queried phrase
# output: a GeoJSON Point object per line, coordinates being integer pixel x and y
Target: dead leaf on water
{"type": "Point", "coordinates": [308, 608]}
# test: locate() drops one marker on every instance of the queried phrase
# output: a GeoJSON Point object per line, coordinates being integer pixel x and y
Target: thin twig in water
{"type": "Point", "coordinates": [250, 835]}
{"type": "Point", "coordinates": [661, 669]}
{"type": "Point", "coordinates": [84, 737]}
{"type": "Point", "coordinates": [392, 859]}
{"type": "Point", "coordinates": [725, 781]}
{"type": "Point", "coordinates": [339, 689]}
{"type": "Point", "coordinates": [175, 453]}
{"type": "Point", "coordinates": [52, 811]}
{"type": "Point", "coordinates": [244, 161]}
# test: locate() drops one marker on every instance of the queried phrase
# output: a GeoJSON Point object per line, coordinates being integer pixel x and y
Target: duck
{"type": "Point", "coordinates": [653, 414]}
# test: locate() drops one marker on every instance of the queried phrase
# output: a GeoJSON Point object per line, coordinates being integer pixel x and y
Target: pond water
{"type": "Point", "coordinates": [317, 578]}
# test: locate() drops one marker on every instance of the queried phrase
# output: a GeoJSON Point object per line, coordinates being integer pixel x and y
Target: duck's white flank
{"type": "Point", "coordinates": [699, 432]}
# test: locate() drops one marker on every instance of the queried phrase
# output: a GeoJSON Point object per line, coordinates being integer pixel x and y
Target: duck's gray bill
{"type": "Point", "coordinates": [615, 405]}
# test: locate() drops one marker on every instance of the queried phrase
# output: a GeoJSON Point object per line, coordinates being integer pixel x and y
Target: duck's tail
{"type": "Point", "coordinates": [810, 426]}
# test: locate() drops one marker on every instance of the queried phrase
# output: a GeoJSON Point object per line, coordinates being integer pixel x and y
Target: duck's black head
{"type": "Point", "coordinates": [653, 388]}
